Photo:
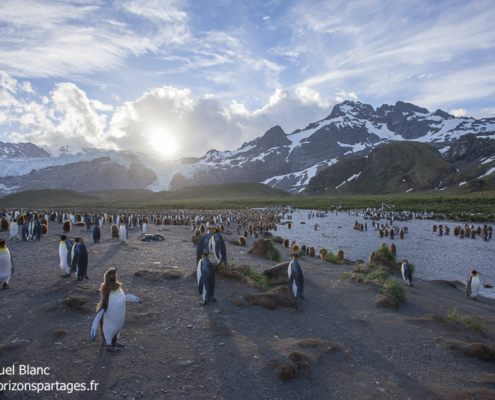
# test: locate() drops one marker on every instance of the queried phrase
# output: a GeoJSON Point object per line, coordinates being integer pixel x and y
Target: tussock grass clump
{"type": "Point", "coordinates": [379, 274]}
{"type": "Point", "coordinates": [474, 324]}
{"type": "Point", "coordinates": [385, 251]}
{"type": "Point", "coordinates": [274, 253]}
{"type": "Point", "coordinates": [346, 275]}
{"type": "Point", "coordinates": [258, 277]}
{"type": "Point", "coordinates": [394, 288]}
{"type": "Point", "coordinates": [231, 264]}
{"type": "Point", "coordinates": [331, 258]}
{"type": "Point", "coordinates": [277, 240]}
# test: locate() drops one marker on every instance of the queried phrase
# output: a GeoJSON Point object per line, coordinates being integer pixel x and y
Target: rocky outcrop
{"type": "Point", "coordinates": [469, 150]}
{"type": "Point", "coordinates": [18, 150]}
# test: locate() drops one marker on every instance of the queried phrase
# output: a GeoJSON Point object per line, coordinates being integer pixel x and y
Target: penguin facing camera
{"type": "Point", "coordinates": [296, 277]}
{"type": "Point", "coordinates": [6, 265]}
{"type": "Point", "coordinates": [110, 312]}
{"type": "Point", "coordinates": [473, 285]}
{"type": "Point", "coordinates": [80, 259]}
{"type": "Point", "coordinates": [123, 232]}
{"type": "Point", "coordinates": [65, 254]}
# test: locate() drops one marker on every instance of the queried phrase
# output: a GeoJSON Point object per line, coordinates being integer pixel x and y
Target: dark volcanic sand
{"type": "Point", "coordinates": [177, 348]}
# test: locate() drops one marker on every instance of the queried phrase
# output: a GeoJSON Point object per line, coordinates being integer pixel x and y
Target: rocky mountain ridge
{"type": "Point", "coordinates": [284, 161]}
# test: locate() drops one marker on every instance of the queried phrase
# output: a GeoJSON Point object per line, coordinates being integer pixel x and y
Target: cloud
{"type": "Point", "coordinates": [48, 39]}
{"type": "Point", "coordinates": [461, 112]}
{"type": "Point", "coordinates": [195, 124]}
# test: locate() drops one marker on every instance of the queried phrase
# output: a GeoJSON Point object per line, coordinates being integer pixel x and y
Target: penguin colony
{"type": "Point", "coordinates": [110, 312]}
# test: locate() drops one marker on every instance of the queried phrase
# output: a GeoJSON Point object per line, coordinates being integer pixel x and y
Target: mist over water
{"type": "Point", "coordinates": [435, 257]}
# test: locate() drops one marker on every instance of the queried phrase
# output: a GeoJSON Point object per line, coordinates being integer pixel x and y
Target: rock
{"type": "Point", "coordinates": [387, 301]}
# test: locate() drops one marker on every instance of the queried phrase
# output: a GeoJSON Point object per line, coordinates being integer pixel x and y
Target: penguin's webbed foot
{"type": "Point", "coordinates": [65, 276]}
{"type": "Point", "coordinates": [302, 297]}
{"type": "Point", "coordinates": [119, 345]}
{"type": "Point", "coordinates": [5, 286]}
{"type": "Point", "coordinates": [113, 349]}
{"type": "Point", "coordinates": [214, 300]}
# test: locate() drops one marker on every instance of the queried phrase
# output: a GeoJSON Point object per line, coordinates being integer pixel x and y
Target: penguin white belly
{"type": "Point", "coordinates": [14, 230]}
{"type": "Point", "coordinates": [5, 265]}
{"type": "Point", "coordinates": [62, 252]}
{"type": "Point", "coordinates": [123, 234]}
{"type": "Point", "coordinates": [294, 288]}
{"type": "Point", "coordinates": [199, 271]}
{"type": "Point", "coordinates": [113, 319]}
{"type": "Point", "coordinates": [204, 292]}
{"type": "Point", "coordinates": [475, 286]}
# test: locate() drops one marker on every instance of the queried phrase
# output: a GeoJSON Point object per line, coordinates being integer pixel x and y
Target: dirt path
{"type": "Point", "coordinates": [177, 348]}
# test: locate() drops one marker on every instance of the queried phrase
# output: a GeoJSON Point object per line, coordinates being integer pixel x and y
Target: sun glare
{"type": "Point", "coordinates": [163, 143]}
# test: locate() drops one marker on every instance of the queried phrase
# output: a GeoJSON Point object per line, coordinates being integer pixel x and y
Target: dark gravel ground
{"type": "Point", "coordinates": [177, 348]}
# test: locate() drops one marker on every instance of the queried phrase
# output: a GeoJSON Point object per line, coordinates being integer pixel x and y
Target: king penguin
{"type": "Point", "coordinates": [407, 273]}
{"type": "Point", "coordinates": [80, 259]}
{"type": "Point", "coordinates": [110, 312]}
{"type": "Point", "coordinates": [65, 253]}
{"type": "Point", "coordinates": [206, 277]}
{"type": "Point", "coordinates": [123, 232]}
{"type": "Point", "coordinates": [296, 277]}
{"type": "Point", "coordinates": [218, 246]}
{"type": "Point", "coordinates": [36, 234]}
{"type": "Point", "coordinates": [96, 234]}
{"type": "Point", "coordinates": [14, 230]}
{"type": "Point", "coordinates": [6, 265]}
{"type": "Point", "coordinates": [473, 285]}
{"type": "Point", "coordinates": [25, 231]}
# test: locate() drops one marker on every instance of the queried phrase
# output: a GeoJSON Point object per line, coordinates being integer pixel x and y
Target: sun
{"type": "Point", "coordinates": [163, 143]}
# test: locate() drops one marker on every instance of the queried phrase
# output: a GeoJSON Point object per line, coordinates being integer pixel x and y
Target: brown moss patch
{"type": "Point", "coordinates": [308, 343]}
{"type": "Point", "coordinates": [477, 350]}
{"type": "Point", "coordinates": [278, 274]}
{"type": "Point", "coordinates": [289, 371]}
{"type": "Point", "coordinates": [4, 348]}
{"type": "Point", "coordinates": [74, 303]}
{"type": "Point", "coordinates": [280, 296]}
{"type": "Point", "coordinates": [158, 275]}
{"type": "Point", "coordinates": [379, 259]}
{"type": "Point", "coordinates": [387, 301]}
{"type": "Point", "coordinates": [60, 332]}
{"type": "Point", "coordinates": [365, 270]}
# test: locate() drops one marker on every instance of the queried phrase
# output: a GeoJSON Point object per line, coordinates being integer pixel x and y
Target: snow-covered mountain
{"type": "Point", "coordinates": [284, 161]}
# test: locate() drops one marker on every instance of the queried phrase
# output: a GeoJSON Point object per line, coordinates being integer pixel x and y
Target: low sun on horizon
{"type": "Point", "coordinates": [164, 143]}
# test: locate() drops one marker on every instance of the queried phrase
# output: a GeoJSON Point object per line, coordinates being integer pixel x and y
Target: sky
{"type": "Point", "coordinates": [179, 78]}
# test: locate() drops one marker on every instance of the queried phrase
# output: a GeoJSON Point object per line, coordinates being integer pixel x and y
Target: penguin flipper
{"type": "Point", "coordinates": [96, 321]}
{"type": "Point", "coordinates": [131, 297]}
{"type": "Point", "coordinates": [11, 266]}
{"type": "Point", "coordinates": [291, 281]}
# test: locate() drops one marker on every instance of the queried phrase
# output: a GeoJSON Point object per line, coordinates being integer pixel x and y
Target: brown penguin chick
{"type": "Point", "coordinates": [115, 231]}
{"type": "Point", "coordinates": [109, 284]}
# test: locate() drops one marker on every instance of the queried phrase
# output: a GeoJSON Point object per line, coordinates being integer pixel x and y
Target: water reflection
{"type": "Point", "coordinates": [435, 256]}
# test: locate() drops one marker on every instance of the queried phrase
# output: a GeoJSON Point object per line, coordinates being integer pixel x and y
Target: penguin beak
{"type": "Point", "coordinates": [116, 269]}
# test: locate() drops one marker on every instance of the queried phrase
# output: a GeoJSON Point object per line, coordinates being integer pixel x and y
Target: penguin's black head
{"type": "Point", "coordinates": [111, 275]}
{"type": "Point", "coordinates": [474, 272]}
{"type": "Point", "coordinates": [62, 237]}
{"type": "Point", "coordinates": [2, 242]}
{"type": "Point", "coordinates": [77, 240]}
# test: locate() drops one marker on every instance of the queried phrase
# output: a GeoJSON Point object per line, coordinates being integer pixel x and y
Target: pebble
{"type": "Point", "coordinates": [221, 344]}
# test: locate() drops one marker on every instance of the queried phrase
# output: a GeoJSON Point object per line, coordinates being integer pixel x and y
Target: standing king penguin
{"type": "Point", "coordinates": [218, 246]}
{"type": "Point", "coordinates": [123, 232]}
{"type": "Point", "coordinates": [110, 312]}
{"type": "Point", "coordinates": [65, 253]}
{"type": "Point", "coordinates": [14, 230]}
{"type": "Point", "coordinates": [96, 234]}
{"type": "Point", "coordinates": [296, 277]}
{"type": "Point", "coordinates": [407, 273]}
{"type": "Point", "coordinates": [80, 259]}
{"type": "Point", "coordinates": [473, 285]}
{"type": "Point", "coordinates": [206, 276]}
{"type": "Point", "coordinates": [6, 265]}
